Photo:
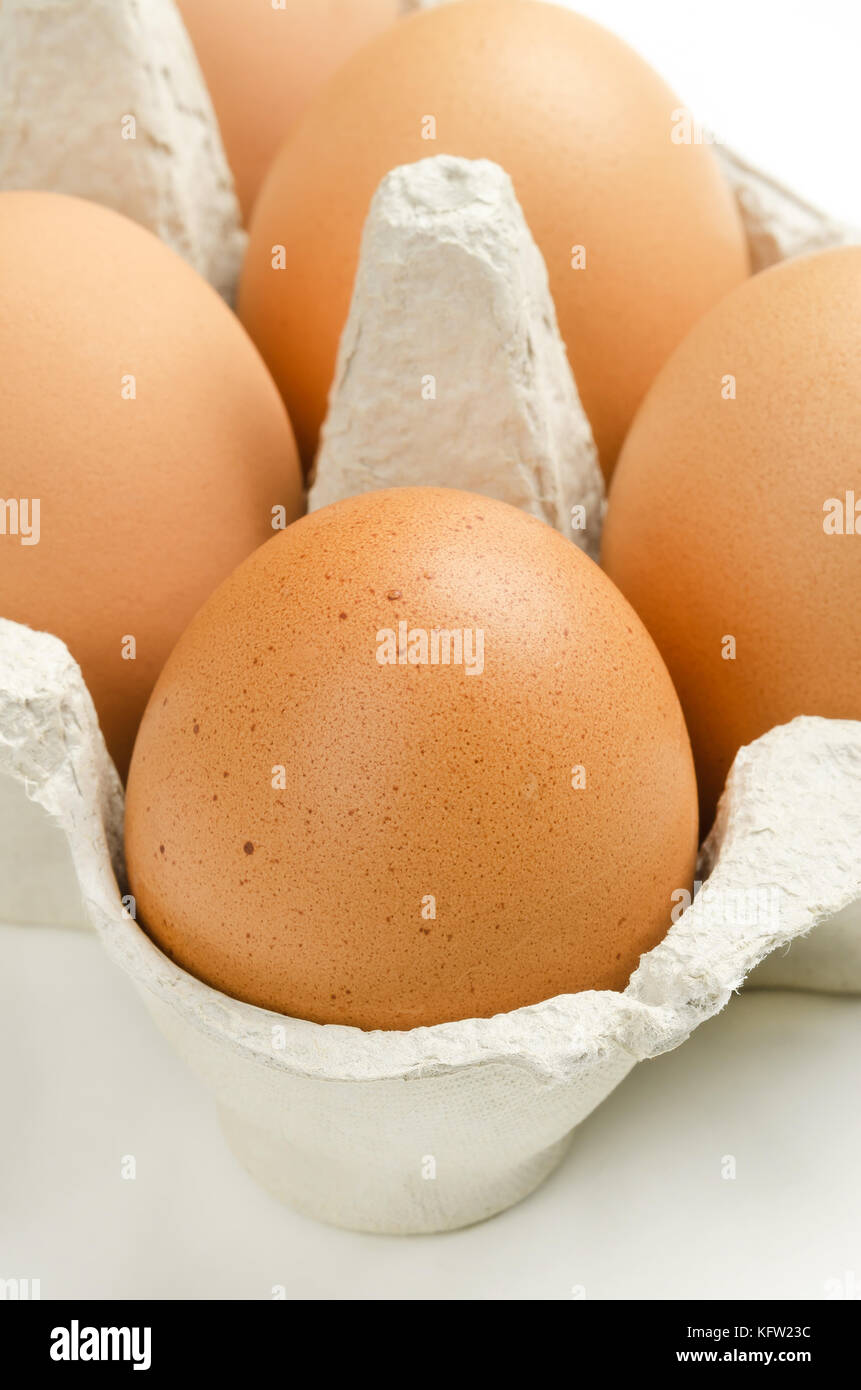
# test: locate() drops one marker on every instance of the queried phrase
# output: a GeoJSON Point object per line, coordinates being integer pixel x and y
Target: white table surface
{"type": "Point", "coordinates": [638, 1209]}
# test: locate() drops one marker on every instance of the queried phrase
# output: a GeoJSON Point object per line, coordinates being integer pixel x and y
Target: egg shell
{"type": "Point", "coordinates": [584, 128]}
{"type": "Point", "coordinates": [735, 511]}
{"type": "Point", "coordinates": [263, 63]}
{"type": "Point", "coordinates": [389, 846]}
{"type": "Point", "coordinates": [146, 501]}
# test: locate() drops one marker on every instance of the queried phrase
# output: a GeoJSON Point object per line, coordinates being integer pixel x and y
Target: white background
{"type": "Point", "coordinates": [640, 1207]}
{"type": "Point", "coordinates": [779, 81]}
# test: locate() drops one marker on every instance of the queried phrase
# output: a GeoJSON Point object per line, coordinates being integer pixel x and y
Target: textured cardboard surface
{"type": "Point", "coordinates": [451, 370]}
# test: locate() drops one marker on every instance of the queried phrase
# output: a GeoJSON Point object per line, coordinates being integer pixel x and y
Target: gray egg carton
{"type": "Point", "coordinates": [438, 1127]}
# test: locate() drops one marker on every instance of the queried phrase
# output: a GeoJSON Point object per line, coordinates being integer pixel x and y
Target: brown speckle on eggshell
{"type": "Point", "coordinates": [403, 781]}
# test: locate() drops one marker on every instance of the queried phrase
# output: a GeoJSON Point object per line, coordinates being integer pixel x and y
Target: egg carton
{"type": "Point", "coordinates": [320, 1114]}
{"type": "Point", "coordinates": [438, 1127]}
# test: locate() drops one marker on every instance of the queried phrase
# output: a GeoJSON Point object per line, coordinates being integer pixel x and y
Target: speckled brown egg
{"type": "Point", "coordinates": [324, 820]}
{"type": "Point", "coordinates": [734, 522]}
{"type": "Point", "coordinates": [638, 228]}
{"type": "Point", "coordinates": [138, 417]}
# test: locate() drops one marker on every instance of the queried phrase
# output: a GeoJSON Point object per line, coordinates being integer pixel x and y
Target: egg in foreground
{"type": "Point", "coordinates": [734, 519]}
{"type": "Point", "coordinates": [325, 820]}
{"type": "Point", "coordinates": [143, 444]}
{"type": "Point", "coordinates": [639, 230]}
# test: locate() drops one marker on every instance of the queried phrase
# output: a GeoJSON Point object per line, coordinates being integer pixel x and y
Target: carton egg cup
{"type": "Point", "coordinates": [435, 1128]}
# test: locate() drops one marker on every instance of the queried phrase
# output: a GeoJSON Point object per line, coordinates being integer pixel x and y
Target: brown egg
{"type": "Point", "coordinates": [263, 64]}
{"type": "Point", "coordinates": [388, 844]}
{"type": "Point", "coordinates": [583, 127]}
{"type": "Point", "coordinates": [137, 414]}
{"type": "Point", "coordinates": [733, 525]}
